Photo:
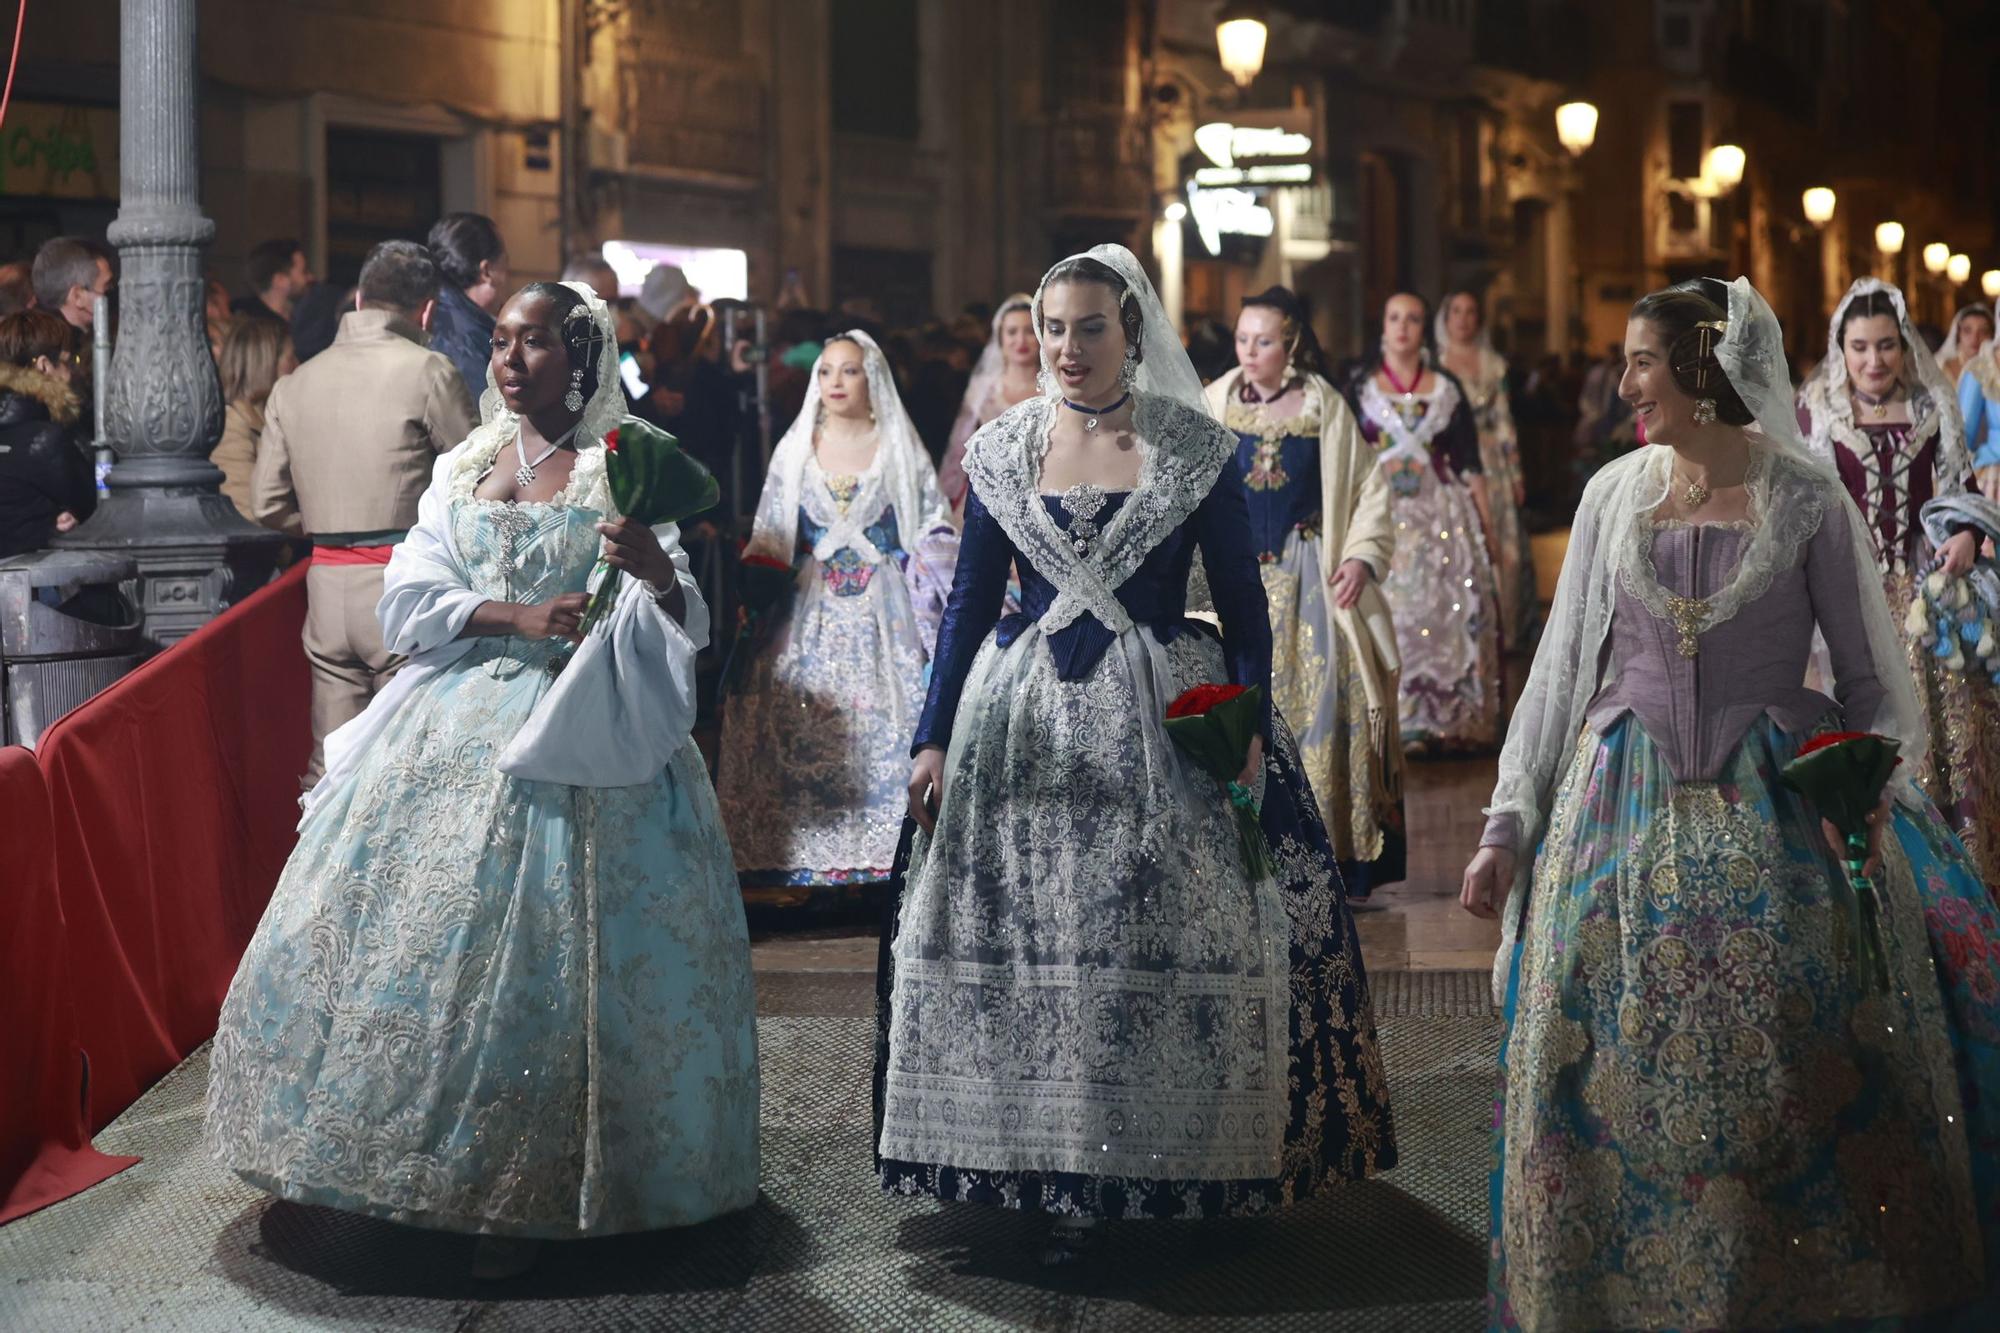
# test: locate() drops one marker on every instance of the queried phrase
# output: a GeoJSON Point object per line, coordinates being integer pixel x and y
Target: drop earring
{"type": "Point", "coordinates": [573, 400]}
{"type": "Point", "coordinates": [1704, 411]}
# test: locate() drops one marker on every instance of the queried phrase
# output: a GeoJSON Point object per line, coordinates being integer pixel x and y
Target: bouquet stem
{"type": "Point", "coordinates": [1250, 834]}
{"type": "Point", "coordinates": [603, 581]}
{"type": "Point", "coordinates": [1869, 957]}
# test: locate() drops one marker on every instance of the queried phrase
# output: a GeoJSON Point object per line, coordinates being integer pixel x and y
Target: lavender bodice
{"type": "Point", "coordinates": [1696, 709]}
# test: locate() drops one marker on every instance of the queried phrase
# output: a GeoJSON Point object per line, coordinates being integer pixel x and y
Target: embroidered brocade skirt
{"type": "Point", "coordinates": [815, 751]}
{"type": "Point", "coordinates": [1705, 1122]}
{"type": "Point", "coordinates": [1519, 608]}
{"type": "Point", "coordinates": [1442, 596]}
{"type": "Point", "coordinates": [1085, 1006]}
{"type": "Point", "coordinates": [483, 1004]}
{"type": "Point", "coordinates": [1320, 694]}
{"type": "Point", "coordinates": [1962, 713]}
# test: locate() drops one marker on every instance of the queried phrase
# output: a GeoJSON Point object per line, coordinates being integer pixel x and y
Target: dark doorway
{"type": "Point", "coordinates": [379, 187]}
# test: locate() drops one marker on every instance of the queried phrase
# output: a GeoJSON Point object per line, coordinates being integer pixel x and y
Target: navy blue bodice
{"type": "Point", "coordinates": [1155, 596]}
{"type": "Point", "coordinates": [1282, 490]}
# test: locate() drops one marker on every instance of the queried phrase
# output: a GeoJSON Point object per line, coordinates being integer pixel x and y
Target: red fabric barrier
{"type": "Point", "coordinates": [45, 1151]}
{"type": "Point", "coordinates": [174, 795]}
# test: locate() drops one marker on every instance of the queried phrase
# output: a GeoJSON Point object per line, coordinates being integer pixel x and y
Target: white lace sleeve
{"type": "Point", "coordinates": [427, 595]}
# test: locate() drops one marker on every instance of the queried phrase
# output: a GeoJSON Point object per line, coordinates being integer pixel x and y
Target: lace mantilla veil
{"type": "Point", "coordinates": [1933, 399]}
{"type": "Point", "coordinates": [903, 465]}
{"type": "Point", "coordinates": [1164, 371]}
{"type": "Point", "coordinates": [1611, 546]}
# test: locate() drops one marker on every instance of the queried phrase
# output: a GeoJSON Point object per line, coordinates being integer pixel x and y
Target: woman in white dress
{"type": "Point", "coordinates": [814, 746]}
{"type": "Point", "coordinates": [503, 985]}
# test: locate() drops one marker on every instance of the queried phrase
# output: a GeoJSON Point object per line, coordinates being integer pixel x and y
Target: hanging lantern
{"type": "Point", "coordinates": [1240, 35]}
{"type": "Point", "coordinates": [1576, 126]}
{"type": "Point", "coordinates": [1724, 167]}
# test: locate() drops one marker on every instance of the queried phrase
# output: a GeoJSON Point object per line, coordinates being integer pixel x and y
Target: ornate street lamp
{"type": "Point", "coordinates": [1576, 126]}
{"type": "Point", "coordinates": [1989, 282]}
{"type": "Point", "coordinates": [1889, 237]}
{"type": "Point", "coordinates": [1818, 203]}
{"type": "Point", "coordinates": [1240, 34]}
{"type": "Point", "coordinates": [1959, 269]}
{"type": "Point", "coordinates": [1937, 257]}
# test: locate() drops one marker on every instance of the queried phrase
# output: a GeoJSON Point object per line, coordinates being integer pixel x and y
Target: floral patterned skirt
{"type": "Point", "coordinates": [1320, 694]}
{"type": "Point", "coordinates": [1705, 1121]}
{"type": "Point", "coordinates": [483, 1004]}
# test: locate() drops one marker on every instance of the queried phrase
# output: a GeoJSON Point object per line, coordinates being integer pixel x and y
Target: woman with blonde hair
{"type": "Point", "coordinates": [256, 354]}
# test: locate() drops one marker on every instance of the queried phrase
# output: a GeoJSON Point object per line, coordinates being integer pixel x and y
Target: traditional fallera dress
{"type": "Point", "coordinates": [1080, 931]}
{"type": "Point", "coordinates": [1979, 407]}
{"type": "Point", "coordinates": [1892, 469]}
{"type": "Point", "coordinates": [504, 982]}
{"type": "Point", "coordinates": [1500, 458]}
{"type": "Point", "coordinates": [814, 753]}
{"type": "Point", "coordinates": [1441, 586]}
{"type": "Point", "coordinates": [1316, 499]}
{"type": "Point", "coordinates": [1706, 1121]}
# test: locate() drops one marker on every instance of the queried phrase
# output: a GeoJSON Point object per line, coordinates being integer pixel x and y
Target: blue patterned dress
{"type": "Point", "coordinates": [483, 1004]}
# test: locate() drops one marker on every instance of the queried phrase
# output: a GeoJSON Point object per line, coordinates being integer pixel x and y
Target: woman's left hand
{"type": "Point", "coordinates": [1255, 764]}
{"type": "Point", "coordinates": [631, 546]}
{"type": "Point", "coordinates": [1956, 555]}
{"type": "Point", "coordinates": [1348, 582]}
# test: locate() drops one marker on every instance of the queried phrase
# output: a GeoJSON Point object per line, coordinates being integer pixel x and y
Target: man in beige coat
{"type": "Point", "coordinates": [350, 439]}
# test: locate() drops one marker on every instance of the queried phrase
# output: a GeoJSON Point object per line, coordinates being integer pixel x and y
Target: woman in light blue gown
{"type": "Point", "coordinates": [503, 985]}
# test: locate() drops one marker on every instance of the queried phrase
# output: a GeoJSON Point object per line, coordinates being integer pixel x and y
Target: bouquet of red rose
{"type": "Point", "coordinates": [1843, 773]}
{"type": "Point", "coordinates": [763, 581]}
{"type": "Point", "coordinates": [1213, 726]}
{"type": "Point", "coordinates": [652, 482]}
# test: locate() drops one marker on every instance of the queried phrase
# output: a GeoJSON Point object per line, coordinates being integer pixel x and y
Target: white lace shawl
{"type": "Point", "coordinates": [902, 473]}
{"type": "Point", "coordinates": [625, 702]}
{"type": "Point", "coordinates": [1182, 452]}
{"type": "Point", "coordinates": [1610, 546]}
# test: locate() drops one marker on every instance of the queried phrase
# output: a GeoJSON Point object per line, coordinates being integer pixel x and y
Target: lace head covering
{"type": "Point", "coordinates": [1164, 370]}
{"type": "Point", "coordinates": [1933, 403]}
{"type": "Point", "coordinates": [589, 334]}
{"type": "Point", "coordinates": [908, 475]}
{"type": "Point", "coordinates": [1948, 349]}
{"type": "Point", "coordinates": [1791, 493]}
{"type": "Point", "coordinates": [992, 362]}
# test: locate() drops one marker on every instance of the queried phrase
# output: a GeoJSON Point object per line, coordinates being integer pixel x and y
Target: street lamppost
{"type": "Point", "coordinates": [1818, 203]}
{"type": "Point", "coordinates": [163, 403]}
{"type": "Point", "coordinates": [1576, 127]}
{"type": "Point", "coordinates": [1989, 282]}
{"type": "Point", "coordinates": [1958, 270]}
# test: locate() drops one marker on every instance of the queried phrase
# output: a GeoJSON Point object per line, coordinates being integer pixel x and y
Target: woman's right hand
{"type": "Point", "coordinates": [927, 787]}
{"type": "Point", "coordinates": [555, 619]}
{"type": "Point", "coordinates": [1486, 883]}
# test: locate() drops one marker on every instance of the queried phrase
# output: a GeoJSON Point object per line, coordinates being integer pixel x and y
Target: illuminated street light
{"type": "Point", "coordinates": [1959, 269]}
{"type": "Point", "coordinates": [1576, 126]}
{"type": "Point", "coordinates": [1937, 257]}
{"type": "Point", "coordinates": [1240, 34]}
{"type": "Point", "coordinates": [1989, 282]}
{"type": "Point", "coordinates": [1818, 203]}
{"type": "Point", "coordinates": [1724, 167]}
{"type": "Point", "coordinates": [1889, 237]}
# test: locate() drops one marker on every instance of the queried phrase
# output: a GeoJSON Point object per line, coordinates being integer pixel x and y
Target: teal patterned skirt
{"type": "Point", "coordinates": [1704, 1120]}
